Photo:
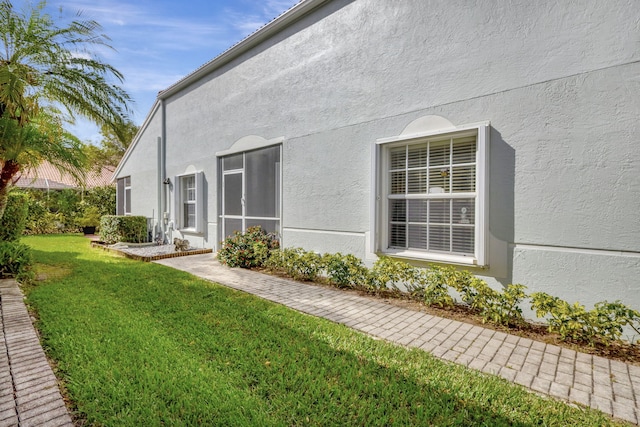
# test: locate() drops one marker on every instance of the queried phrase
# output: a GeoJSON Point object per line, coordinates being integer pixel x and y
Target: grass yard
{"type": "Point", "coordinates": [142, 344]}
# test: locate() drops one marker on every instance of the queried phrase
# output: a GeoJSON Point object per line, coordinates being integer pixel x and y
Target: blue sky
{"type": "Point", "coordinates": [157, 42]}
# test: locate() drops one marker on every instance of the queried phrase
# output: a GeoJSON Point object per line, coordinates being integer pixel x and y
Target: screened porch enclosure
{"type": "Point", "coordinates": [250, 191]}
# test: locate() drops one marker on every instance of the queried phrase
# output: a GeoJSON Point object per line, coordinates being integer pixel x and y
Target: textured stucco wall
{"type": "Point", "coordinates": [559, 82]}
{"type": "Point", "coordinates": [141, 166]}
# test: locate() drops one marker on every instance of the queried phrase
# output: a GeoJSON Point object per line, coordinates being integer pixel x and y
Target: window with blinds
{"type": "Point", "coordinates": [189, 201]}
{"type": "Point", "coordinates": [432, 195]}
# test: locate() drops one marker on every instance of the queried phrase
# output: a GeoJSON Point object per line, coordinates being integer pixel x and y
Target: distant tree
{"type": "Point", "coordinates": [112, 146]}
{"type": "Point", "coordinates": [44, 67]}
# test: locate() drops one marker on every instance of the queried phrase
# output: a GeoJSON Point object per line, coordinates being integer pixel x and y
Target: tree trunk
{"type": "Point", "coordinates": [9, 170]}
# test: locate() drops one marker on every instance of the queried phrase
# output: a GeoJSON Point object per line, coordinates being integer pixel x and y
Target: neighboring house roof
{"type": "Point", "coordinates": [295, 13]}
{"type": "Point", "coordinates": [48, 177]}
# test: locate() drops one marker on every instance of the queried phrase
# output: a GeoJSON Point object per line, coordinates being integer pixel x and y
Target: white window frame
{"type": "Point", "coordinates": [126, 189]}
{"type": "Point", "coordinates": [198, 202]}
{"type": "Point", "coordinates": [380, 202]}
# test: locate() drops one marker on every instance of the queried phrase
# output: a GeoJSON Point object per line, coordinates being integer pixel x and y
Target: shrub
{"type": "Point", "coordinates": [61, 211]}
{"type": "Point", "coordinates": [249, 249]}
{"type": "Point", "coordinates": [16, 261]}
{"type": "Point", "coordinates": [388, 273]}
{"type": "Point", "coordinates": [131, 229]}
{"type": "Point", "coordinates": [12, 223]}
{"type": "Point", "coordinates": [90, 217]}
{"type": "Point", "coordinates": [41, 221]}
{"type": "Point", "coordinates": [612, 317]}
{"type": "Point", "coordinates": [103, 198]}
{"type": "Point", "coordinates": [301, 264]}
{"type": "Point", "coordinates": [436, 291]}
{"type": "Point", "coordinates": [498, 307]}
{"type": "Point", "coordinates": [296, 263]}
{"type": "Point", "coordinates": [604, 323]}
{"type": "Point", "coordinates": [568, 320]}
{"type": "Point", "coordinates": [345, 271]}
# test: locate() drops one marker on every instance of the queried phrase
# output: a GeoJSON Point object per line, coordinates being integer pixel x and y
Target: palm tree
{"type": "Point", "coordinates": [45, 71]}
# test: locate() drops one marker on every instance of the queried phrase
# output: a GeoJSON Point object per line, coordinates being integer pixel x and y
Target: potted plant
{"type": "Point", "coordinates": [89, 220]}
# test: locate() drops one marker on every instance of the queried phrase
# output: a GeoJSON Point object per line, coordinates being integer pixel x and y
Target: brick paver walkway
{"type": "Point", "coordinates": [610, 386]}
{"type": "Point", "coordinates": [29, 393]}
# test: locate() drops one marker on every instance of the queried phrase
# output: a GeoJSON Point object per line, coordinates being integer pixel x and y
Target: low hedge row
{"type": "Point", "coordinates": [604, 324]}
{"type": "Point", "coordinates": [114, 228]}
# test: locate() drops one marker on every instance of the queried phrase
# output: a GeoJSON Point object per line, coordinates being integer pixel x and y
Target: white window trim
{"type": "Point", "coordinates": [127, 188]}
{"type": "Point", "coordinates": [379, 207]}
{"type": "Point", "coordinates": [122, 195]}
{"type": "Point", "coordinates": [199, 202]}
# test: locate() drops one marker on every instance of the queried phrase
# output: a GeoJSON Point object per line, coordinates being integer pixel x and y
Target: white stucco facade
{"type": "Point", "coordinates": [556, 83]}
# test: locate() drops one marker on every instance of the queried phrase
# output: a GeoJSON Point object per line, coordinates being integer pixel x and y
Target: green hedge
{"type": "Point", "coordinates": [59, 211]}
{"type": "Point", "coordinates": [16, 261]}
{"type": "Point", "coordinates": [132, 229]}
{"type": "Point", "coordinates": [13, 221]}
{"type": "Point", "coordinates": [436, 285]}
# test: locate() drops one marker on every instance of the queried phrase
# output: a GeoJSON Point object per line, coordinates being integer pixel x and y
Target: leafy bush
{"type": "Point", "coordinates": [612, 317]}
{"type": "Point", "coordinates": [570, 321]}
{"type": "Point", "coordinates": [103, 198]}
{"type": "Point", "coordinates": [60, 211]}
{"type": "Point", "coordinates": [389, 273]}
{"type": "Point", "coordinates": [249, 249]}
{"type": "Point", "coordinates": [90, 217]}
{"type": "Point", "coordinates": [16, 261]}
{"type": "Point", "coordinates": [345, 271]}
{"type": "Point", "coordinates": [132, 229]}
{"type": "Point", "coordinates": [604, 323]}
{"type": "Point", "coordinates": [12, 223]}
{"type": "Point", "coordinates": [501, 308]}
{"type": "Point", "coordinates": [436, 291]}
{"type": "Point", "coordinates": [296, 263]}
{"type": "Point", "coordinates": [41, 220]}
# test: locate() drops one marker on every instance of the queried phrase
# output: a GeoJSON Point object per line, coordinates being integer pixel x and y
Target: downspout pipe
{"type": "Point", "coordinates": [162, 168]}
{"type": "Point", "coordinates": [157, 232]}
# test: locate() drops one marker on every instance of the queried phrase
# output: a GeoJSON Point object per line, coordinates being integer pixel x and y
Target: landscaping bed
{"type": "Point", "coordinates": [149, 251]}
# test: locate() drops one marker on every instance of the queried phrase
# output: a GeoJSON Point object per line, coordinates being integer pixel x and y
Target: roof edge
{"type": "Point", "coordinates": [292, 15]}
{"type": "Point", "coordinates": [135, 140]}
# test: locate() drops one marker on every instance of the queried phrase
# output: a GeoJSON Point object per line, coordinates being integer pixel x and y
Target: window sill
{"type": "Point", "coordinates": [189, 231]}
{"type": "Point", "coordinates": [433, 257]}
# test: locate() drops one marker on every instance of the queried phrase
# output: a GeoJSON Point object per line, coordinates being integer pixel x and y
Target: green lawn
{"type": "Point", "coordinates": [142, 344]}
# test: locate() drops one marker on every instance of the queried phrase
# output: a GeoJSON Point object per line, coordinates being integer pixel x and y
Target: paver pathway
{"type": "Point", "coordinates": [610, 386]}
{"type": "Point", "coordinates": [29, 394]}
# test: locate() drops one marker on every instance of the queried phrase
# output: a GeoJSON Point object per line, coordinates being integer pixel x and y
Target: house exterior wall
{"type": "Point", "coordinates": [558, 82]}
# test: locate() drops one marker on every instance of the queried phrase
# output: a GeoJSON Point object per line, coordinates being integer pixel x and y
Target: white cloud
{"type": "Point", "coordinates": [157, 42]}
{"type": "Point", "coordinates": [275, 7]}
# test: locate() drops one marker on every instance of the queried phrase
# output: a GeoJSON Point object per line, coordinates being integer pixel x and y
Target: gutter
{"type": "Point", "coordinates": [289, 17]}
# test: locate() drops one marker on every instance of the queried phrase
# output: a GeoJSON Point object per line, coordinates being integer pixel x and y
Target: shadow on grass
{"type": "Point", "coordinates": [272, 363]}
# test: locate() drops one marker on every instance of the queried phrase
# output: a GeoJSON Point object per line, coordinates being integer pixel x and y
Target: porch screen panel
{"type": "Point", "coordinates": [262, 174]}
{"type": "Point", "coordinates": [233, 162]}
{"type": "Point", "coordinates": [233, 194]}
{"type": "Point", "coordinates": [232, 225]}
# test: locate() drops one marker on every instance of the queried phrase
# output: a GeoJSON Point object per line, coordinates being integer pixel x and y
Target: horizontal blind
{"type": "Point", "coordinates": [432, 196]}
